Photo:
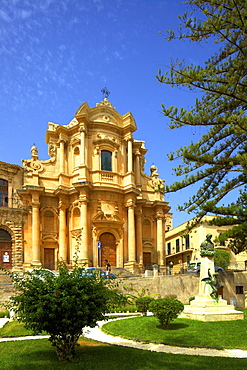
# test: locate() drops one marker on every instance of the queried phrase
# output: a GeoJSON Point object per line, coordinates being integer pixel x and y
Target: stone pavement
{"type": "Point", "coordinates": [98, 335]}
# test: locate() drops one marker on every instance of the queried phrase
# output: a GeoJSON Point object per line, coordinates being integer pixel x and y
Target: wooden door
{"type": "Point", "coordinates": [49, 258]}
{"type": "Point", "coordinates": [108, 249]}
{"type": "Point", "coordinates": [147, 260]}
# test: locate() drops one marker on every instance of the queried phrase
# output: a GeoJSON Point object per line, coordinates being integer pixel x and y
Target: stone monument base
{"type": "Point", "coordinates": [204, 308]}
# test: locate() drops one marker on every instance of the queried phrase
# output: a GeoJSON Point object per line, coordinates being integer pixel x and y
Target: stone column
{"type": "Point", "coordinates": [35, 232]}
{"type": "Point", "coordinates": [138, 169]}
{"type": "Point", "coordinates": [97, 158]}
{"type": "Point", "coordinates": [84, 225]}
{"type": "Point", "coordinates": [139, 236]}
{"type": "Point", "coordinates": [131, 232]}
{"type": "Point", "coordinates": [10, 194]}
{"type": "Point", "coordinates": [130, 169]}
{"type": "Point", "coordinates": [114, 161]}
{"type": "Point", "coordinates": [61, 147]}
{"type": "Point", "coordinates": [120, 254]}
{"type": "Point", "coordinates": [62, 232]}
{"type": "Point", "coordinates": [160, 237]}
{"type": "Point", "coordinates": [82, 149]}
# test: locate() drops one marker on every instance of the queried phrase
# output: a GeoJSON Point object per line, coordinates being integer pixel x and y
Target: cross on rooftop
{"type": "Point", "coordinates": [105, 92]}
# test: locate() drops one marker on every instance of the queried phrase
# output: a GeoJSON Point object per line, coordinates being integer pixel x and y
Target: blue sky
{"type": "Point", "coordinates": [56, 54]}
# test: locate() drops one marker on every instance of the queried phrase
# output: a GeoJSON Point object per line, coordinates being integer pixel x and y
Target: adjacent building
{"type": "Point", "coordinates": [182, 248]}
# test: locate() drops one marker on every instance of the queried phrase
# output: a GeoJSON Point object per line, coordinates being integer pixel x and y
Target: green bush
{"type": "Point", "coordinates": [191, 299]}
{"type": "Point", "coordinates": [142, 304]}
{"type": "Point", "coordinates": [60, 305]}
{"type": "Point", "coordinates": [222, 258]}
{"type": "Point", "coordinates": [166, 310]}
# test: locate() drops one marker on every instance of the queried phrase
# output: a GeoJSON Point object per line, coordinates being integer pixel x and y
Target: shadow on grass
{"type": "Point", "coordinates": [174, 326]}
{"type": "Point", "coordinates": [39, 354]}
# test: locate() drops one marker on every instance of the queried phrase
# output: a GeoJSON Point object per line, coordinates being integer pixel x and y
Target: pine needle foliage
{"type": "Point", "coordinates": [217, 162]}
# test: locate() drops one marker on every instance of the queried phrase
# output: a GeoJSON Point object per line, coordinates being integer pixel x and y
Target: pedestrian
{"type": "Point", "coordinates": [108, 269]}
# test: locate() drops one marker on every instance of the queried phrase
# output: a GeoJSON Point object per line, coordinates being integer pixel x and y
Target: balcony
{"type": "Point", "coordinates": [107, 176]}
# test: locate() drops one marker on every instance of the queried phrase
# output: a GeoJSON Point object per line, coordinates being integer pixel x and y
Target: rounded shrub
{"type": "Point", "coordinates": [166, 310]}
{"type": "Point", "coordinates": [142, 304]}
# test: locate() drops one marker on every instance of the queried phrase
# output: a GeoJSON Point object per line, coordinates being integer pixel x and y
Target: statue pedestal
{"type": "Point", "coordinates": [204, 307]}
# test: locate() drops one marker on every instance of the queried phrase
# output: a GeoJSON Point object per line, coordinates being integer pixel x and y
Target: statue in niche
{"type": "Point", "coordinates": [157, 183]}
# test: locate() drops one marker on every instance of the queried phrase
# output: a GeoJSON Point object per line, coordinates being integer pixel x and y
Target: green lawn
{"type": "Point", "coordinates": [91, 355]}
{"type": "Point", "coordinates": [15, 329]}
{"type": "Point", "coordinates": [231, 334]}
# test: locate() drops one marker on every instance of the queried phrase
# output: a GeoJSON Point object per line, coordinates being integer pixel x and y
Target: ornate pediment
{"type": "Point", "coordinates": [108, 216]}
{"type": "Point", "coordinates": [106, 139]}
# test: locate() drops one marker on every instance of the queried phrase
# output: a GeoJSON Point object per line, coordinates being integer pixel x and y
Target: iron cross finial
{"type": "Point", "coordinates": [105, 93]}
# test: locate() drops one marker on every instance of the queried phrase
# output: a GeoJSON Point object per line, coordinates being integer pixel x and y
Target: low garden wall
{"type": "Point", "coordinates": [183, 286]}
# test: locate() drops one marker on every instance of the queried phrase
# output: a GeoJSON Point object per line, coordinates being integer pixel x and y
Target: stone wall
{"type": "Point", "coordinates": [184, 286]}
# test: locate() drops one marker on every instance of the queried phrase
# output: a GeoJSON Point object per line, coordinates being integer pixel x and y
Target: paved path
{"type": "Point", "coordinates": [98, 335]}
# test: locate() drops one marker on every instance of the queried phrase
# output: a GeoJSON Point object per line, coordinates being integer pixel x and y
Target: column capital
{"type": "Point", "coordinates": [128, 137]}
{"type": "Point", "coordinates": [82, 128]}
{"type": "Point", "coordinates": [62, 139]}
{"type": "Point", "coordinates": [83, 200]}
{"type": "Point", "coordinates": [159, 215]}
{"type": "Point", "coordinates": [130, 203]}
{"type": "Point", "coordinates": [137, 153]}
{"type": "Point", "coordinates": [62, 205]}
{"type": "Point", "coordinates": [35, 203]}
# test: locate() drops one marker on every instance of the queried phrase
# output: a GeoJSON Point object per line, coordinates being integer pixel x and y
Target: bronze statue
{"type": "Point", "coordinates": [207, 244]}
{"type": "Point", "coordinates": [213, 282]}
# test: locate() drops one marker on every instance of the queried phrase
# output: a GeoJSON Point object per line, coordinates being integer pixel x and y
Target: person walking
{"type": "Point", "coordinates": [108, 269]}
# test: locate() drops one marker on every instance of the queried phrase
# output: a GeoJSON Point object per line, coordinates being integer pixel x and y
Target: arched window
{"type": "Point", "coordinates": [106, 160]}
{"type": "Point", "coordinates": [3, 193]}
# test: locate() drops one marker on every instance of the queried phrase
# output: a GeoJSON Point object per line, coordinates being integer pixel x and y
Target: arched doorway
{"type": "Point", "coordinates": [108, 248]}
{"type": "Point", "coordinates": [5, 249]}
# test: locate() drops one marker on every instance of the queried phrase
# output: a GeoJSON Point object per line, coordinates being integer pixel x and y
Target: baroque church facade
{"type": "Point", "coordinates": [91, 194]}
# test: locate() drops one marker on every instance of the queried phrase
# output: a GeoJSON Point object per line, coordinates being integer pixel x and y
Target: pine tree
{"type": "Point", "coordinates": [218, 161]}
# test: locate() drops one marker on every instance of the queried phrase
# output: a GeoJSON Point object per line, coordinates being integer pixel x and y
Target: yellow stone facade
{"type": "Point", "coordinates": [93, 192]}
{"type": "Point", "coordinates": [12, 216]}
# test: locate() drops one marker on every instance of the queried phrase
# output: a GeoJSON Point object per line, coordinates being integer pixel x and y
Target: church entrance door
{"type": "Point", "coordinates": [108, 249]}
{"type": "Point", "coordinates": [49, 258]}
{"type": "Point", "coordinates": [147, 261]}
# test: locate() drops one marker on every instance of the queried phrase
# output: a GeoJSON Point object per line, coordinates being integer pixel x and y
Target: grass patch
{"type": "Point", "coordinates": [186, 332]}
{"type": "Point", "coordinates": [15, 329]}
{"type": "Point", "coordinates": [90, 355]}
